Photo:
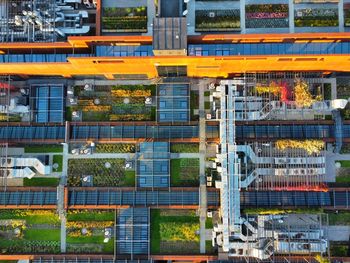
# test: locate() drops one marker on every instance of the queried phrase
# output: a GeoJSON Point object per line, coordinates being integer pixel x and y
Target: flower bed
{"type": "Point", "coordinates": [217, 20]}
{"type": "Point", "coordinates": [267, 16]}
{"type": "Point", "coordinates": [115, 148]}
{"type": "Point", "coordinates": [309, 17]}
{"type": "Point", "coordinates": [133, 19]}
{"type": "Point", "coordinates": [310, 146]}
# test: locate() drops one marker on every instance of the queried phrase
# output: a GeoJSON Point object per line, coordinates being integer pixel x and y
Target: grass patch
{"type": "Point", "coordinates": [207, 105]}
{"type": "Point", "coordinates": [342, 218]}
{"type": "Point", "coordinates": [84, 215]}
{"type": "Point", "coordinates": [43, 149]}
{"type": "Point", "coordinates": [209, 223]}
{"type": "Point", "coordinates": [129, 179]}
{"type": "Point", "coordinates": [50, 182]}
{"type": "Point", "coordinates": [153, 113]}
{"type": "Point", "coordinates": [59, 160]}
{"type": "Point", "coordinates": [342, 178]}
{"type": "Point", "coordinates": [84, 239]}
{"type": "Point", "coordinates": [115, 148]}
{"type": "Point", "coordinates": [42, 234]}
{"type": "Point", "coordinates": [184, 172]}
{"type": "Point", "coordinates": [344, 163]}
{"type": "Point", "coordinates": [339, 250]}
{"type": "Point", "coordinates": [155, 233]}
{"type": "Point", "coordinates": [69, 113]}
{"type": "Point", "coordinates": [207, 93]}
{"type": "Point", "coordinates": [184, 147]}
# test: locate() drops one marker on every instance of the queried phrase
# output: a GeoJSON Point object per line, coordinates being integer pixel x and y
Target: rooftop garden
{"type": "Point", "coordinates": [86, 232]}
{"type": "Point", "coordinates": [217, 20]}
{"type": "Point", "coordinates": [184, 172]}
{"type": "Point", "coordinates": [267, 16]}
{"type": "Point", "coordinates": [130, 19]}
{"type": "Point", "coordinates": [99, 172]}
{"type": "Point", "coordinates": [300, 93]}
{"type": "Point", "coordinates": [313, 17]}
{"type": "Point", "coordinates": [310, 146]}
{"type": "Point", "coordinates": [114, 103]}
{"type": "Point", "coordinates": [174, 232]}
{"type": "Point", "coordinates": [29, 231]}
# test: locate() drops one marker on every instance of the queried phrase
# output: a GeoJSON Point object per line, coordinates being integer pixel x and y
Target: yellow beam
{"type": "Point", "coordinates": [196, 66]}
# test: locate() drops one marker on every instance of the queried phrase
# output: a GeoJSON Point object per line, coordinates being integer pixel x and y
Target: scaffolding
{"type": "Point", "coordinates": [265, 167]}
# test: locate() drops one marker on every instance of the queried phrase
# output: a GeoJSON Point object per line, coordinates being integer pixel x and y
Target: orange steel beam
{"type": "Point", "coordinates": [84, 41]}
{"type": "Point", "coordinates": [188, 258]}
{"type": "Point", "coordinates": [210, 66]}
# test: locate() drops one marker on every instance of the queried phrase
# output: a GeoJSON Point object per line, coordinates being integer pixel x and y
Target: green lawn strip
{"type": "Point", "coordinates": [41, 181]}
{"type": "Point", "coordinates": [91, 216]}
{"type": "Point", "coordinates": [344, 163]}
{"type": "Point", "coordinates": [153, 113]}
{"type": "Point", "coordinates": [155, 231]}
{"type": "Point", "coordinates": [342, 179]}
{"type": "Point", "coordinates": [42, 234]}
{"type": "Point", "coordinates": [207, 93]}
{"type": "Point", "coordinates": [43, 149]}
{"type": "Point", "coordinates": [85, 240]}
{"type": "Point", "coordinates": [30, 219]}
{"type": "Point", "coordinates": [184, 147]}
{"type": "Point", "coordinates": [129, 179]}
{"type": "Point", "coordinates": [209, 223]}
{"type": "Point", "coordinates": [207, 105]}
{"type": "Point", "coordinates": [175, 177]}
{"type": "Point", "coordinates": [341, 218]}
{"type": "Point", "coordinates": [59, 160]}
{"type": "Point", "coordinates": [69, 113]}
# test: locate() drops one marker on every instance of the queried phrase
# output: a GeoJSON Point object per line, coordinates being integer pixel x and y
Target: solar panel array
{"type": "Point", "coordinates": [29, 133]}
{"type": "Point", "coordinates": [144, 198]}
{"type": "Point", "coordinates": [47, 102]}
{"type": "Point", "coordinates": [79, 132]}
{"type": "Point", "coordinates": [173, 102]}
{"type": "Point", "coordinates": [33, 197]}
{"type": "Point", "coordinates": [132, 231]}
{"type": "Point", "coordinates": [153, 165]}
{"type": "Point", "coordinates": [149, 198]}
{"type": "Point", "coordinates": [287, 199]}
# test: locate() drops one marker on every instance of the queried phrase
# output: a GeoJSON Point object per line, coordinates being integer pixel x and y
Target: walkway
{"type": "Point", "coordinates": [202, 150]}
{"type": "Point", "coordinates": [60, 198]}
{"type": "Point", "coordinates": [338, 233]}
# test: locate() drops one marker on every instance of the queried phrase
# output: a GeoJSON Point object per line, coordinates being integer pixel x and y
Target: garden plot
{"type": "Point", "coordinates": [90, 232]}
{"type": "Point", "coordinates": [99, 172]}
{"type": "Point", "coordinates": [184, 172]}
{"type": "Point", "coordinates": [29, 231]}
{"type": "Point", "coordinates": [114, 103]}
{"type": "Point", "coordinates": [174, 232]}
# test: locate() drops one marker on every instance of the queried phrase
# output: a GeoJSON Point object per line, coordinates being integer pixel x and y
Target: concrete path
{"type": "Point", "coordinates": [202, 179]}
{"type": "Point", "coordinates": [331, 158]}
{"type": "Point", "coordinates": [338, 233]}
{"type": "Point", "coordinates": [60, 198]}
